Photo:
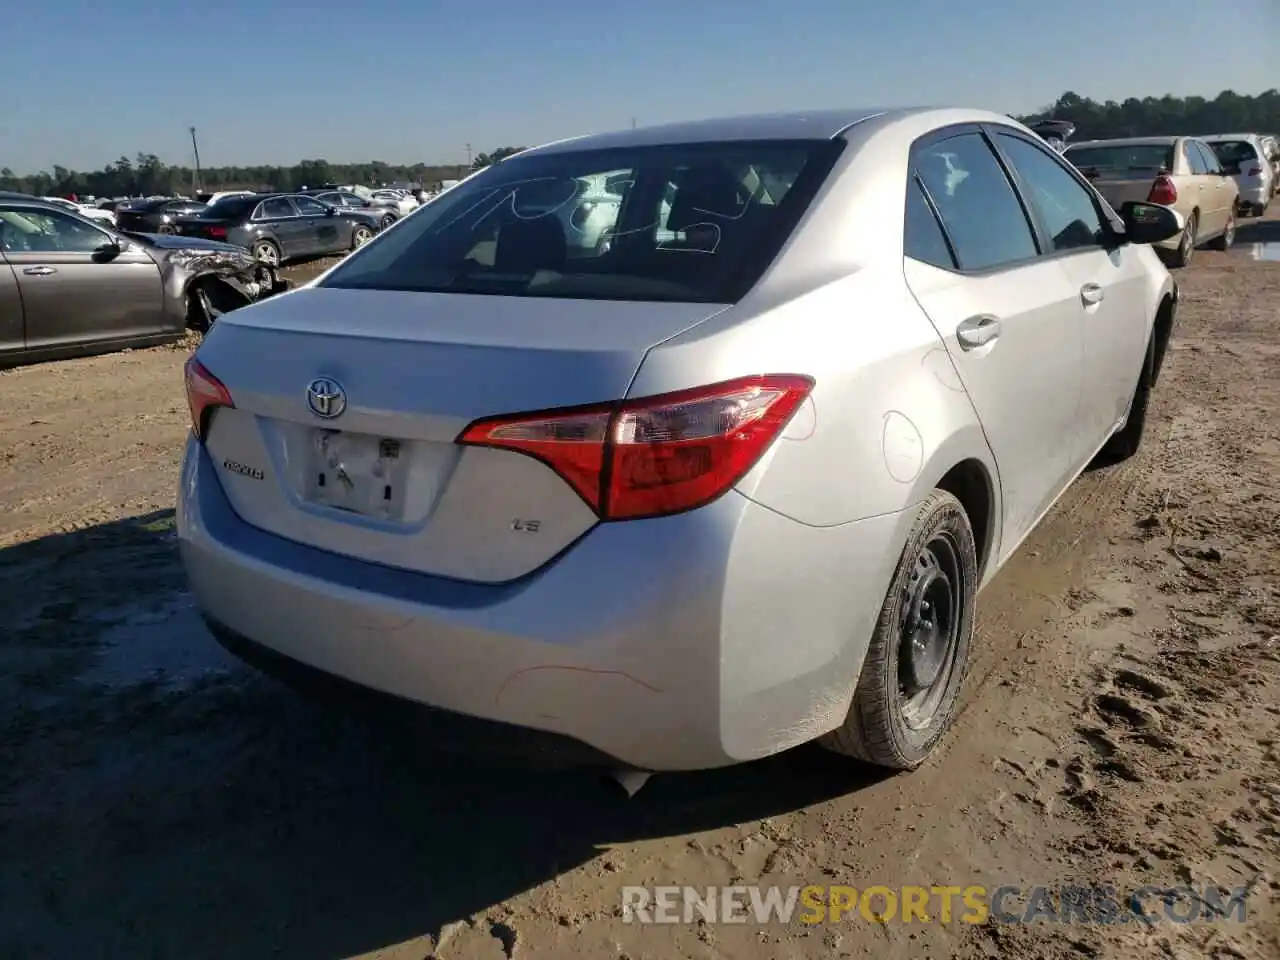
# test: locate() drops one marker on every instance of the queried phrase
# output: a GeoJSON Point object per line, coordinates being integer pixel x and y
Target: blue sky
{"type": "Point", "coordinates": [416, 80]}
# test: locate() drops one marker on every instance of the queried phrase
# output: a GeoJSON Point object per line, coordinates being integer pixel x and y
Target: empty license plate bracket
{"type": "Point", "coordinates": [357, 473]}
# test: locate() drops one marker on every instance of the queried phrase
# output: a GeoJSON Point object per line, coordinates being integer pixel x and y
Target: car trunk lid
{"type": "Point", "coordinates": [1118, 186]}
{"type": "Point", "coordinates": [383, 479]}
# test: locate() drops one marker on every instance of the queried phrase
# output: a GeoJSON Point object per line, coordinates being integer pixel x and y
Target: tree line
{"type": "Point", "coordinates": [146, 174]}
{"type": "Point", "coordinates": [1228, 112]}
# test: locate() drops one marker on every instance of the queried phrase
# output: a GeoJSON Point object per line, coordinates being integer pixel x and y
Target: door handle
{"type": "Point", "coordinates": [977, 331]}
{"type": "Point", "coordinates": [1091, 293]}
{"type": "Point", "coordinates": [39, 271]}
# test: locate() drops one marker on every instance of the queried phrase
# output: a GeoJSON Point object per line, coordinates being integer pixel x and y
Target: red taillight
{"type": "Point", "coordinates": [656, 455]}
{"type": "Point", "coordinates": [217, 233]}
{"type": "Point", "coordinates": [1163, 192]}
{"type": "Point", "coordinates": [204, 393]}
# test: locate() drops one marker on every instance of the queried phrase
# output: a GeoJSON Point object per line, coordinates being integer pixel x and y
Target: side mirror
{"type": "Point", "coordinates": [112, 247]}
{"type": "Point", "coordinates": [330, 211]}
{"type": "Point", "coordinates": [1149, 222]}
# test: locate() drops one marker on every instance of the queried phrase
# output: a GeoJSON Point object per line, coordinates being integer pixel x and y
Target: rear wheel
{"type": "Point", "coordinates": [386, 221]}
{"type": "Point", "coordinates": [1228, 235]}
{"type": "Point", "coordinates": [360, 236]}
{"type": "Point", "coordinates": [267, 252]}
{"type": "Point", "coordinates": [1187, 244]}
{"type": "Point", "coordinates": [919, 654]}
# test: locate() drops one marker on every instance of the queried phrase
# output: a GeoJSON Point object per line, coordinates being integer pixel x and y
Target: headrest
{"type": "Point", "coordinates": [527, 246]}
{"type": "Point", "coordinates": [707, 194]}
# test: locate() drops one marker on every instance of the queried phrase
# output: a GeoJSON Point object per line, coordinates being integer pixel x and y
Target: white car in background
{"type": "Point", "coordinates": [1244, 157]}
{"type": "Point", "coordinates": [84, 209]}
{"type": "Point", "coordinates": [212, 198]}
{"type": "Point", "coordinates": [1271, 143]}
{"type": "Point", "coordinates": [403, 202]}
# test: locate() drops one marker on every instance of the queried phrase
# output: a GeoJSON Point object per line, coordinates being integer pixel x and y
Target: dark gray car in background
{"type": "Point", "coordinates": [70, 287]}
{"type": "Point", "coordinates": [346, 202]}
{"type": "Point", "coordinates": [280, 227]}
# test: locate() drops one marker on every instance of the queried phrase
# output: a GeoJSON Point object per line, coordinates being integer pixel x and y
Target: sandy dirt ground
{"type": "Point", "coordinates": [1120, 725]}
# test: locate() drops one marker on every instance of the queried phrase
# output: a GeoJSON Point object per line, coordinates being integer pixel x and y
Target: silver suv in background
{"type": "Point", "coordinates": [1244, 157]}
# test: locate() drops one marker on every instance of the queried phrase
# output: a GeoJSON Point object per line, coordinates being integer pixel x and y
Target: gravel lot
{"type": "Point", "coordinates": [157, 799]}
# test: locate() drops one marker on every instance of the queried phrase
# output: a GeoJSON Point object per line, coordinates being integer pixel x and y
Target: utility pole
{"type": "Point", "coordinates": [633, 123]}
{"type": "Point", "coordinates": [195, 177]}
{"type": "Point", "coordinates": [468, 156]}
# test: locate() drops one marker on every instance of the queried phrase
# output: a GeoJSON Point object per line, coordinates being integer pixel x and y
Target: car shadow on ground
{"type": "Point", "coordinates": [1253, 232]}
{"type": "Point", "coordinates": [204, 811]}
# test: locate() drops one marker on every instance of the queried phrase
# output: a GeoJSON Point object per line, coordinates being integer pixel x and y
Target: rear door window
{"type": "Point", "coordinates": [1195, 159]}
{"type": "Point", "coordinates": [923, 238]}
{"type": "Point", "coordinates": [1211, 164]}
{"type": "Point", "coordinates": [983, 216]}
{"type": "Point", "coordinates": [308, 207]}
{"type": "Point", "coordinates": [276, 208]}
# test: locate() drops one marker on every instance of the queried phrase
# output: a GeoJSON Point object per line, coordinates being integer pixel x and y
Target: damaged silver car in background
{"type": "Point", "coordinates": [72, 287]}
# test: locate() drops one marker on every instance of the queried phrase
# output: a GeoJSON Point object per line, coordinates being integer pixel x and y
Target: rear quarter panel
{"type": "Point", "coordinates": [887, 418]}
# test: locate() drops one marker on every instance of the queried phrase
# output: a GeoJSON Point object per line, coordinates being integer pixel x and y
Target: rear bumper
{"type": "Point", "coordinates": [1258, 196]}
{"type": "Point", "coordinates": [465, 734]}
{"type": "Point", "coordinates": [694, 641]}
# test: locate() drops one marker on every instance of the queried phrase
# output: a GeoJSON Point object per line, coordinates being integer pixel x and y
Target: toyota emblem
{"type": "Point", "coordinates": [326, 398]}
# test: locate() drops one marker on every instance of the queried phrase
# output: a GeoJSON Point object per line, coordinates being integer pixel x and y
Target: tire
{"type": "Point", "coordinates": [1228, 236]}
{"type": "Point", "coordinates": [167, 229]}
{"type": "Point", "coordinates": [386, 221]}
{"type": "Point", "coordinates": [360, 235]}
{"type": "Point", "coordinates": [1126, 441]}
{"type": "Point", "coordinates": [879, 727]}
{"type": "Point", "coordinates": [1187, 245]}
{"type": "Point", "coordinates": [267, 252]}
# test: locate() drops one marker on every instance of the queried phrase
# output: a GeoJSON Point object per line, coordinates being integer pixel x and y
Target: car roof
{"type": "Point", "coordinates": [27, 200]}
{"type": "Point", "coordinates": [1131, 141]}
{"type": "Point", "coordinates": [826, 124]}
{"type": "Point", "coordinates": [1233, 136]}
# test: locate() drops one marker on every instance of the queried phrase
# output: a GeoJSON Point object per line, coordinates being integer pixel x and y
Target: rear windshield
{"type": "Point", "coordinates": [691, 222]}
{"type": "Point", "coordinates": [1233, 153]}
{"type": "Point", "coordinates": [229, 208]}
{"type": "Point", "coordinates": [1133, 156]}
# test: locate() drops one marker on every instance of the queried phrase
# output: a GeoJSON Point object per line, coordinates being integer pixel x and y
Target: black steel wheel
{"type": "Point", "coordinates": [918, 656]}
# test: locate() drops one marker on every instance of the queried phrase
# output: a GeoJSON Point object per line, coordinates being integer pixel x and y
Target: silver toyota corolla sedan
{"type": "Point", "coordinates": [725, 484]}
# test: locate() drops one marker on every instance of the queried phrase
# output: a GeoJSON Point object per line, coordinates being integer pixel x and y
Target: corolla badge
{"type": "Point", "coordinates": [326, 398]}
